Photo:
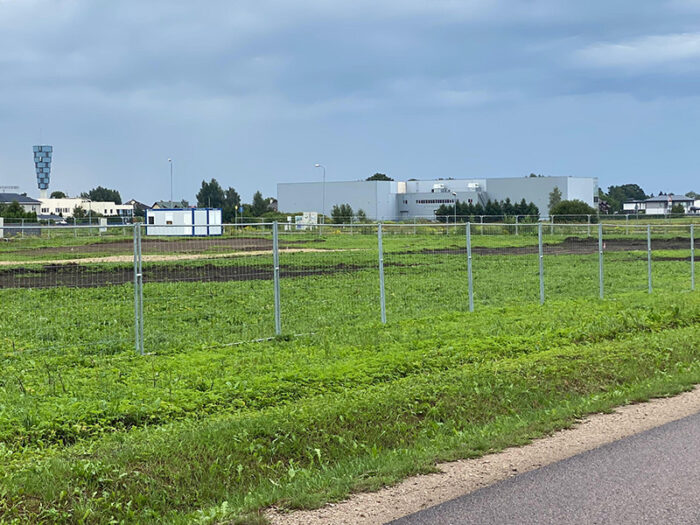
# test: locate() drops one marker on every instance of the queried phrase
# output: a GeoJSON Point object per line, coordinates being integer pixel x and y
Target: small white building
{"type": "Point", "coordinates": [202, 222]}
{"type": "Point", "coordinates": [65, 207]}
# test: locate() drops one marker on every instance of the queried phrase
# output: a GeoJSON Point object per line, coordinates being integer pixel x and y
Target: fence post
{"type": "Point", "coordinates": [469, 267]}
{"type": "Point", "coordinates": [141, 319]}
{"type": "Point", "coordinates": [589, 225]}
{"type": "Point", "coordinates": [551, 227]}
{"type": "Point", "coordinates": [276, 264]}
{"type": "Point", "coordinates": [2, 228]}
{"type": "Point", "coordinates": [627, 223]}
{"type": "Point", "coordinates": [649, 255]}
{"type": "Point", "coordinates": [541, 253]}
{"type": "Point", "coordinates": [482, 224]}
{"type": "Point", "coordinates": [692, 257]}
{"type": "Point", "coordinates": [138, 312]}
{"type": "Point", "coordinates": [516, 225]}
{"type": "Point", "coordinates": [600, 260]}
{"type": "Point", "coordinates": [382, 296]}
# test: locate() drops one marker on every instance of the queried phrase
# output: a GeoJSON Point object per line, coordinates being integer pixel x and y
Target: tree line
{"type": "Point", "coordinates": [212, 195]}
{"type": "Point", "coordinates": [490, 209]}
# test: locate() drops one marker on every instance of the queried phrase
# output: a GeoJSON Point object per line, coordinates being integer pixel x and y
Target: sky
{"type": "Point", "coordinates": [253, 93]}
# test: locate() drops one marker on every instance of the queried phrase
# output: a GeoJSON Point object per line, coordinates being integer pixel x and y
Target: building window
{"type": "Point", "coordinates": [434, 201]}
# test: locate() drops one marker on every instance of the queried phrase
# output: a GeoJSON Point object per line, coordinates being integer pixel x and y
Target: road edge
{"type": "Point", "coordinates": [457, 478]}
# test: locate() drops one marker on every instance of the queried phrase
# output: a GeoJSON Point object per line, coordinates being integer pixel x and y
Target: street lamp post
{"type": "Point", "coordinates": [323, 208]}
{"type": "Point", "coordinates": [454, 194]}
{"type": "Point", "coordinates": [170, 161]}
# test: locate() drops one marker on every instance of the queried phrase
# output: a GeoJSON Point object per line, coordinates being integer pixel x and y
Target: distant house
{"type": "Point", "coordinates": [66, 206]}
{"type": "Point", "coordinates": [139, 207]}
{"type": "Point", "coordinates": [170, 205]}
{"type": "Point", "coordinates": [30, 205]}
{"type": "Point", "coordinates": [661, 205]}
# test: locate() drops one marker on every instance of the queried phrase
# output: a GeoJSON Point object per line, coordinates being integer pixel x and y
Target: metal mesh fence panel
{"type": "Point", "coordinates": [670, 257]}
{"type": "Point", "coordinates": [328, 277]}
{"type": "Point", "coordinates": [425, 268]}
{"type": "Point", "coordinates": [625, 254]}
{"type": "Point", "coordinates": [570, 261]}
{"type": "Point", "coordinates": [61, 290]}
{"type": "Point", "coordinates": [505, 265]}
{"type": "Point", "coordinates": [201, 291]}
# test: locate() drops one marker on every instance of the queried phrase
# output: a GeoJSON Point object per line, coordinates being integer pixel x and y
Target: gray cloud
{"type": "Point", "coordinates": [121, 85]}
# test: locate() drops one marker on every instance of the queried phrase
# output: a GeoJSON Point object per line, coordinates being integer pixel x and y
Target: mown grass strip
{"type": "Point", "coordinates": [319, 448]}
{"type": "Point", "coordinates": [58, 399]}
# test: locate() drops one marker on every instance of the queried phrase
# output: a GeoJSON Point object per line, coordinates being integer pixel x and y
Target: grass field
{"type": "Point", "coordinates": [203, 430]}
{"type": "Point", "coordinates": [207, 292]}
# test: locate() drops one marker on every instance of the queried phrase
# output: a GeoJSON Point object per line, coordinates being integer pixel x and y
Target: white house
{"type": "Point", "coordinates": [661, 205]}
{"type": "Point", "coordinates": [65, 207]}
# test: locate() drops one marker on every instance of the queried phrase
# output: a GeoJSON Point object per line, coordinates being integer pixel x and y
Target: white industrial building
{"type": "Point", "coordinates": [400, 200]}
{"type": "Point", "coordinates": [65, 207]}
{"type": "Point", "coordinates": [662, 205]}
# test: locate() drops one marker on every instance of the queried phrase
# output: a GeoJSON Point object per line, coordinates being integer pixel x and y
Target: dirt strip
{"type": "Point", "coordinates": [165, 258]}
{"type": "Point", "coordinates": [462, 477]}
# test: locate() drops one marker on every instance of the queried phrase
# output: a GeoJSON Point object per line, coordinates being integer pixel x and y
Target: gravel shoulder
{"type": "Point", "coordinates": [462, 477]}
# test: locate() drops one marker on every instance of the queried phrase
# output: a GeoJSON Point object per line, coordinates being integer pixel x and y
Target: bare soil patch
{"type": "Point", "coordinates": [572, 246]}
{"type": "Point", "coordinates": [83, 276]}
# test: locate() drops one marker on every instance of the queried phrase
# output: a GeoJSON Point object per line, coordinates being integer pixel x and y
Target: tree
{"type": "Point", "coordinates": [379, 176]}
{"type": "Point", "coordinates": [618, 195]}
{"type": "Point", "coordinates": [231, 201]}
{"type": "Point", "coordinates": [554, 198]}
{"type": "Point", "coordinates": [678, 209]}
{"type": "Point", "coordinates": [58, 195]}
{"type": "Point", "coordinates": [101, 194]}
{"type": "Point", "coordinates": [14, 210]}
{"type": "Point", "coordinates": [361, 215]}
{"type": "Point", "coordinates": [79, 212]}
{"type": "Point", "coordinates": [342, 214]}
{"type": "Point", "coordinates": [693, 195]}
{"type": "Point", "coordinates": [259, 205]}
{"type": "Point", "coordinates": [210, 195]}
{"type": "Point", "coordinates": [573, 211]}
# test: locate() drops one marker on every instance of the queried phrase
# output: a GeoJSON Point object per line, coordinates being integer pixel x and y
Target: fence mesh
{"type": "Point", "coordinates": [72, 286]}
{"type": "Point", "coordinates": [328, 277]}
{"type": "Point", "coordinates": [425, 269]}
{"type": "Point", "coordinates": [205, 291]}
{"type": "Point", "coordinates": [64, 287]}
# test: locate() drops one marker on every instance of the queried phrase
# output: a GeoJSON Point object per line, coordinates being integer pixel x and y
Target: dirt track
{"type": "Point", "coordinates": [575, 245]}
{"type": "Point", "coordinates": [78, 273]}
{"type": "Point", "coordinates": [194, 245]}
{"type": "Point", "coordinates": [80, 276]}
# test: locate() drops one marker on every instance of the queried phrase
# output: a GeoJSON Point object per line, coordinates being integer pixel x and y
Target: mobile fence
{"type": "Point", "coordinates": [125, 288]}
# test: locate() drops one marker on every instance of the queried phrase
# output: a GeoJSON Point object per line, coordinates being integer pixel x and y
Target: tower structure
{"type": "Point", "coordinates": [42, 164]}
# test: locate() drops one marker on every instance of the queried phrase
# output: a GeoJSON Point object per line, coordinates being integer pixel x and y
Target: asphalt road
{"type": "Point", "coordinates": [649, 478]}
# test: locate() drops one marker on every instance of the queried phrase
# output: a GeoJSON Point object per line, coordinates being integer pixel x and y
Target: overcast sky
{"type": "Point", "coordinates": [256, 92]}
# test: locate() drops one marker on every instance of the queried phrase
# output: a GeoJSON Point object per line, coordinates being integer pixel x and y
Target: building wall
{"type": "Point", "coordinates": [66, 206]}
{"type": "Point", "coordinates": [383, 200]}
{"type": "Point", "coordinates": [376, 198]}
{"type": "Point", "coordinates": [537, 190]}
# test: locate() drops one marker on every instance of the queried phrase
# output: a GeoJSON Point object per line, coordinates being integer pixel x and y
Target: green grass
{"type": "Point", "coordinates": [319, 291]}
{"type": "Point", "coordinates": [206, 429]}
{"type": "Point", "coordinates": [170, 438]}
